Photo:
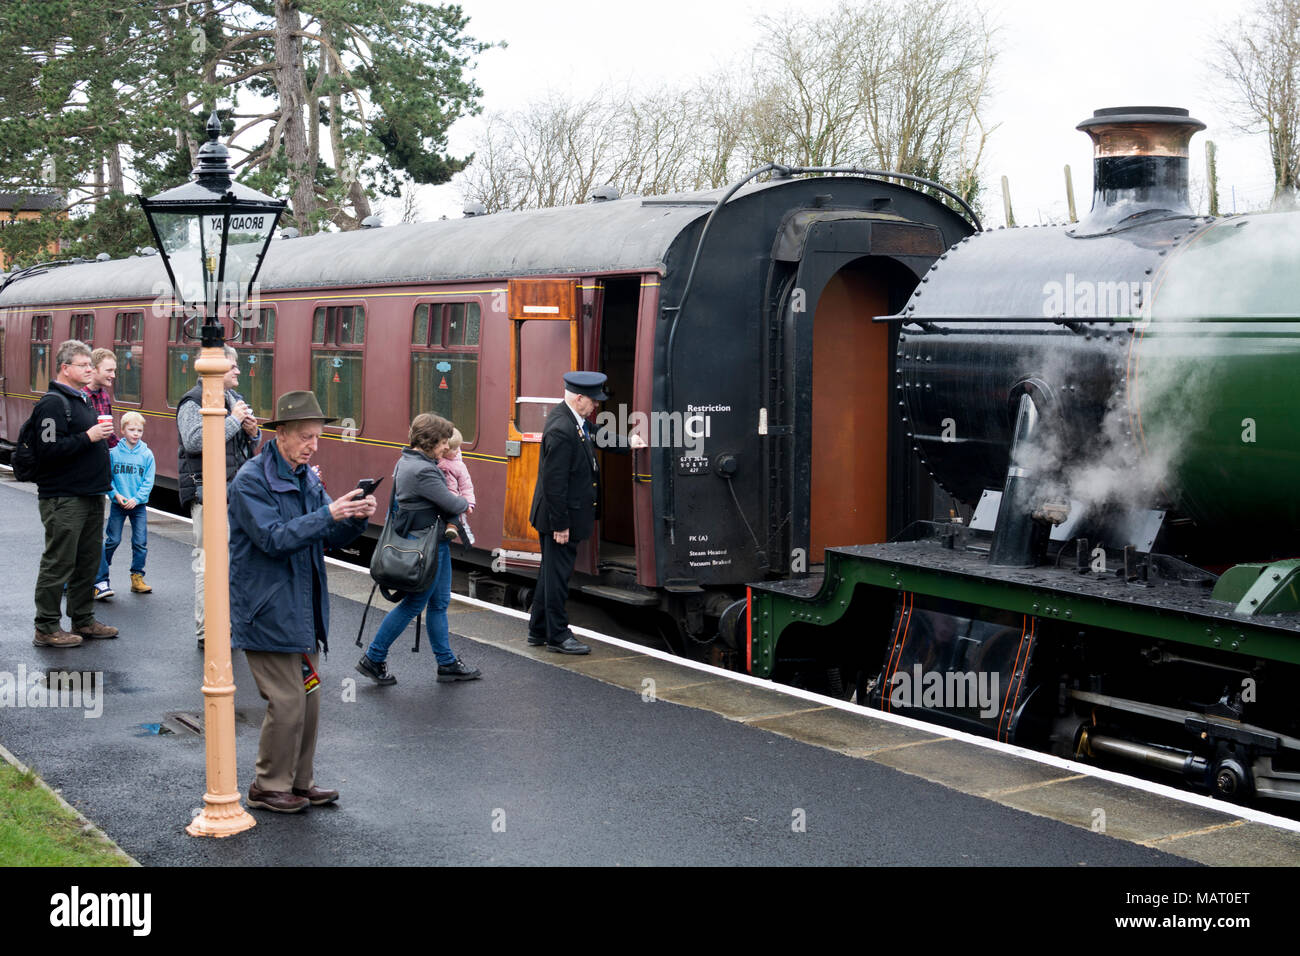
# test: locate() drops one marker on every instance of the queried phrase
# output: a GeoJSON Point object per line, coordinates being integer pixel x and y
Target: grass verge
{"type": "Point", "coordinates": [35, 830]}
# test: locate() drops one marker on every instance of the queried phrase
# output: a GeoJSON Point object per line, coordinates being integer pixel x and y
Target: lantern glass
{"type": "Point", "coordinates": [247, 233]}
{"type": "Point", "coordinates": [193, 254]}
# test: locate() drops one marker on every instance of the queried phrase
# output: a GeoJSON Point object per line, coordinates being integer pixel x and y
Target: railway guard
{"type": "Point", "coordinates": [565, 507]}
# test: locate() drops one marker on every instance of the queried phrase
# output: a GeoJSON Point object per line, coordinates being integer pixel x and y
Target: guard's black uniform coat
{"type": "Point", "coordinates": [567, 489]}
{"type": "Point", "coordinates": [566, 497]}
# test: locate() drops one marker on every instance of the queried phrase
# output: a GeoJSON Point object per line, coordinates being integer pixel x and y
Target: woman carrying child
{"type": "Point", "coordinates": [421, 490]}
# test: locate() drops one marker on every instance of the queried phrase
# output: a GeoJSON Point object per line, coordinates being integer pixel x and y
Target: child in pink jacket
{"type": "Point", "coordinates": [458, 480]}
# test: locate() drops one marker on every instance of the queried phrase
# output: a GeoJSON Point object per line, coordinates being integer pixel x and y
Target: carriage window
{"type": "Point", "coordinates": [257, 365]}
{"type": "Point", "coordinates": [181, 354]}
{"type": "Point", "coordinates": [336, 366]}
{"type": "Point", "coordinates": [420, 325]}
{"type": "Point", "coordinates": [462, 324]}
{"type": "Point", "coordinates": [83, 328]}
{"type": "Point", "coordinates": [262, 328]}
{"type": "Point", "coordinates": [128, 346]}
{"type": "Point", "coordinates": [342, 325]}
{"type": "Point", "coordinates": [40, 366]}
{"type": "Point", "coordinates": [444, 364]}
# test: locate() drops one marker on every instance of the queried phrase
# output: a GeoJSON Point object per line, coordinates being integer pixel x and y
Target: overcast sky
{"type": "Point", "coordinates": [1058, 63]}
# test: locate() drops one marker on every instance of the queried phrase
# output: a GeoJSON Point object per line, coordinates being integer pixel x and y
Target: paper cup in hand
{"type": "Point", "coordinates": [106, 420]}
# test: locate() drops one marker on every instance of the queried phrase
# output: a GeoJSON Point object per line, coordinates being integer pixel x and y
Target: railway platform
{"type": "Point", "coordinates": [619, 758]}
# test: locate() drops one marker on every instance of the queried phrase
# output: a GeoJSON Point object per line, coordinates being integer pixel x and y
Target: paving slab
{"type": "Point", "coordinates": [1118, 810]}
{"type": "Point", "coordinates": [1235, 843]}
{"type": "Point", "coordinates": [968, 769]}
{"type": "Point", "coordinates": [737, 701]}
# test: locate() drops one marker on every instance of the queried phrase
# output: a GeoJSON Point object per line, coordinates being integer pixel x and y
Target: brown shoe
{"type": "Point", "coordinates": [58, 638]}
{"type": "Point", "coordinates": [317, 796]}
{"type": "Point", "coordinates": [138, 585]}
{"type": "Point", "coordinates": [281, 801]}
{"type": "Point", "coordinates": [94, 629]}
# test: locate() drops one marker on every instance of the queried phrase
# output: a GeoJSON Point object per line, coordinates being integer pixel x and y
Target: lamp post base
{"type": "Point", "coordinates": [222, 816]}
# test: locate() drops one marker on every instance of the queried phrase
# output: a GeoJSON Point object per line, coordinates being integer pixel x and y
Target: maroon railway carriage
{"type": "Point", "coordinates": [766, 396]}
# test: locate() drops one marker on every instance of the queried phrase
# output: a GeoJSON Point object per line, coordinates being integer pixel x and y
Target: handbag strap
{"type": "Point", "coordinates": [364, 613]}
{"type": "Point", "coordinates": [416, 648]}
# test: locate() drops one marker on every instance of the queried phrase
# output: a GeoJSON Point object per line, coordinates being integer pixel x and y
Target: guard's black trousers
{"type": "Point", "coordinates": [549, 619]}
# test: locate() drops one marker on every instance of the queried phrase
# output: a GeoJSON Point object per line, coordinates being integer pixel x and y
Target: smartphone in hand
{"type": "Point", "coordinates": [368, 486]}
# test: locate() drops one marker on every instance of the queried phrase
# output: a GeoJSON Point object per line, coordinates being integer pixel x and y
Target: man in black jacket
{"type": "Point", "coordinates": [565, 505]}
{"type": "Point", "coordinates": [73, 477]}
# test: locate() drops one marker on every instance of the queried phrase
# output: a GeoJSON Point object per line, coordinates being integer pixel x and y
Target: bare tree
{"type": "Point", "coordinates": [926, 84]}
{"type": "Point", "coordinates": [873, 83]}
{"type": "Point", "coordinates": [881, 84]}
{"type": "Point", "coordinates": [811, 82]}
{"type": "Point", "coordinates": [1261, 60]}
{"type": "Point", "coordinates": [556, 150]}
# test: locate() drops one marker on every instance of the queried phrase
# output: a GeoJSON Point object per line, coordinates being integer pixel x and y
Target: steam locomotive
{"type": "Point", "coordinates": [1109, 406]}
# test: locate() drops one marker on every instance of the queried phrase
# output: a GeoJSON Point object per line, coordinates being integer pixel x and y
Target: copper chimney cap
{"type": "Point", "coordinates": [1140, 131]}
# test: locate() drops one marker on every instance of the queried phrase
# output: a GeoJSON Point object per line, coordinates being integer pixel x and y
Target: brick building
{"type": "Point", "coordinates": [20, 206]}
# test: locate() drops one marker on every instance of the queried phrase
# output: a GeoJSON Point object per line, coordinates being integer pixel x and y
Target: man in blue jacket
{"type": "Point", "coordinates": [281, 521]}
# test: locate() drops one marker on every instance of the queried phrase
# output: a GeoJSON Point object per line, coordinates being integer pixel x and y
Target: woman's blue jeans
{"type": "Point", "coordinates": [139, 518]}
{"type": "Point", "coordinates": [436, 599]}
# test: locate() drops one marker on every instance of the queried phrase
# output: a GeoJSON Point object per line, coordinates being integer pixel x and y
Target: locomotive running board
{"type": "Point", "coordinates": [1170, 611]}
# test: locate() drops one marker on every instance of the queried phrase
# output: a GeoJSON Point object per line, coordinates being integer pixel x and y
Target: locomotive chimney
{"type": "Point", "coordinates": [1139, 163]}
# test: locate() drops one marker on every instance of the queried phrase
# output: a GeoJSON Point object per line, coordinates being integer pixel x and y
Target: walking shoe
{"type": "Point", "coordinates": [534, 641]}
{"type": "Point", "coordinates": [281, 801]}
{"type": "Point", "coordinates": [570, 645]}
{"type": "Point", "coordinates": [317, 796]}
{"type": "Point", "coordinates": [376, 672]}
{"type": "Point", "coordinates": [56, 638]}
{"type": "Point", "coordinates": [137, 584]}
{"type": "Point", "coordinates": [102, 591]}
{"type": "Point", "coordinates": [95, 629]}
{"type": "Point", "coordinates": [457, 670]}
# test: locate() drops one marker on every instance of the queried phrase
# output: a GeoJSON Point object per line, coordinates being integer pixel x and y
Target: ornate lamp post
{"type": "Point", "coordinates": [212, 234]}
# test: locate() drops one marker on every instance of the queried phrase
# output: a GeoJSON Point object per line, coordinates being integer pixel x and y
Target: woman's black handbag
{"type": "Point", "coordinates": [404, 561]}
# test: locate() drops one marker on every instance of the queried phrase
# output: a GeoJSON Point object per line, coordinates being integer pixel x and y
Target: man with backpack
{"type": "Point", "coordinates": [68, 447]}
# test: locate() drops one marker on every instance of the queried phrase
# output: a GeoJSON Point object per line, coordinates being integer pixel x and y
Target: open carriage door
{"type": "Point", "coordinates": [537, 307]}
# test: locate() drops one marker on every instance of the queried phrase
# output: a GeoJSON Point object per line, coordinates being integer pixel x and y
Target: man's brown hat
{"type": "Point", "coordinates": [298, 407]}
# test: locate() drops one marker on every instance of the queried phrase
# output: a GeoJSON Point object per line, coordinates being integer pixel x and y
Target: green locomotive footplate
{"type": "Point", "coordinates": [1169, 606]}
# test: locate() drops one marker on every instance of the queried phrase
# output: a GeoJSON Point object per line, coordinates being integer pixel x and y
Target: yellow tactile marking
{"type": "Point", "coordinates": [872, 751]}
{"type": "Point", "coordinates": [1031, 786]}
{"type": "Point", "coordinates": [676, 687]}
{"type": "Point", "coordinates": [1191, 833]}
{"type": "Point", "coordinates": [782, 714]}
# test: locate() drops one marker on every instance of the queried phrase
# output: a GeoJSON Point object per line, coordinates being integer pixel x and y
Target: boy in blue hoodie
{"type": "Point", "coordinates": [133, 469]}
